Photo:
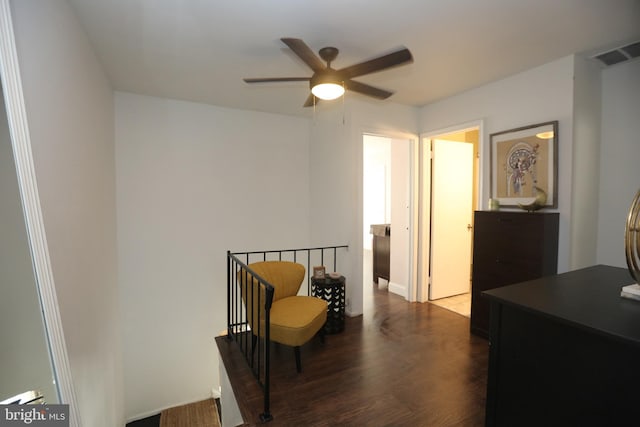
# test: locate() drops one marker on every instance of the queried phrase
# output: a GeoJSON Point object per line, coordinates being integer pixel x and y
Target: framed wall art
{"type": "Point", "coordinates": [524, 165]}
{"type": "Point", "coordinates": [319, 272]}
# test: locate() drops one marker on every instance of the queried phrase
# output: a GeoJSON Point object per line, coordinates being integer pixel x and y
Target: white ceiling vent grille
{"type": "Point", "coordinates": [618, 55]}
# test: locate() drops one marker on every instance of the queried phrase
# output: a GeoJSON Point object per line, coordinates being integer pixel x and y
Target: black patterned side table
{"type": "Point", "coordinates": [333, 292]}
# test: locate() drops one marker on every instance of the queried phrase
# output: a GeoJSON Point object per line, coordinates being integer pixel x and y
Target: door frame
{"type": "Point", "coordinates": [423, 201]}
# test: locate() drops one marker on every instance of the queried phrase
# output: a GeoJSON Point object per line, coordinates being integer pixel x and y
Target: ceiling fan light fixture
{"type": "Point", "coordinates": [327, 91]}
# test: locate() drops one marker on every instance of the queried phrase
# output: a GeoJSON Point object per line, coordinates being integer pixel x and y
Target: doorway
{"type": "Point", "coordinates": [388, 174]}
{"type": "Point", "coordinates": [376, 210]}
{"type": "Point", "coordinates": [449, 195]}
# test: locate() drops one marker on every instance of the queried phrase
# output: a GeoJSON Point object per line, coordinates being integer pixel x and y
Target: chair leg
{"type": "Point", "coordinates": [296, 350]}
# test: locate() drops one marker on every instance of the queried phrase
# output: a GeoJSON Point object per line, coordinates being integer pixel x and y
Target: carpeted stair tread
{"type": "Point", "coordinates": [198, 414]}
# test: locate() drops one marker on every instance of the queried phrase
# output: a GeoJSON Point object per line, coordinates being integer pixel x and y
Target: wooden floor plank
{"type": "Point", "coordinates": [399, 364]}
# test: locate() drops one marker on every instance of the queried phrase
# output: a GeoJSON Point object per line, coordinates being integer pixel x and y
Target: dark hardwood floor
{"type": "Point", "coordinates": [400, 364]}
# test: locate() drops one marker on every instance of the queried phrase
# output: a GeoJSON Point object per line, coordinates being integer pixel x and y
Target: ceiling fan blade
{"type": "Point", "coordinates": [365, 89]}
{"type": "Point", "coordinates": [278, 79]}
{"type": "Point", "coordinates": [394, 59]}
{"type": "Point", "coordinates": [305, 53]}
{"type": "Point", "coordinates": [309, 102]}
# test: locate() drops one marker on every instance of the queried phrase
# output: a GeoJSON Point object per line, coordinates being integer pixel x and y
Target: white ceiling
{"type": "Point", "coordinates": [199, 50]}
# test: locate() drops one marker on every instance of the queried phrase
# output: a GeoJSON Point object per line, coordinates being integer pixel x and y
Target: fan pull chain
{"type": "Point", "coordinates": [344, 94]}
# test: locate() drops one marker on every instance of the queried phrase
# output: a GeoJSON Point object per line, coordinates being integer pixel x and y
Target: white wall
{"type": "Point", "coordinates": [619, 154]}
{"type": "Point", "coordinates": [376, 179]}
{"type": "Point", "coordinates": [69, 106]}
{"type": "Point", "coordinates": [586, 161]}
{"type": "Point", "coordinates": [194, 181]}
{"type": "Point", "coordinates": [336, 176]}
{"type": "Point", "coordinates": [538, 95]}
{"type": "Point", "coordinates": [24, 354]}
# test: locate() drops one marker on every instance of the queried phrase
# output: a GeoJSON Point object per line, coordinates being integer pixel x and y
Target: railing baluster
{"type": "Point", "coordinates": [237, 303]}
{"type": "Point", "coordinates": [266, 415]}
{"type": "Point", "coordinates": [308, 272]}
{"type": "Point", "coordinates": [253, 322]}
{"type": "Point", "coordinates": [246, 312]}
{"type": "Point", "coordinates": [228, 293]}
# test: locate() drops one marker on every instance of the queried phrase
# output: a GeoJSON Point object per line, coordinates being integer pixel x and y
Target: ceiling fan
{"type": "Point", "coordinates": [327, 83]}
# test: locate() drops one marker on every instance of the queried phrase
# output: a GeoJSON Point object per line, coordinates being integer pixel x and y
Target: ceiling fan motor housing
{"type": "Point", "coordinates": [326, 76]}
{"type": "Point", "coordinates": [328, 54]}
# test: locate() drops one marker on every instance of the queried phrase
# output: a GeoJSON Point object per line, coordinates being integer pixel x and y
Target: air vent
{"type": "Point", "coordinates": [612, 57]}
{"type": "Point", "coordinates": [633, 50]}
{"type": "Point", "coordinates": [618, 55]}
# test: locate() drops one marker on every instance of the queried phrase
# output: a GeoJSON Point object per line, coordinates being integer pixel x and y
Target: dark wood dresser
{"type": "Point", "coordinates": [381, 251]}
{"type": "Point", "coordinates": [564, 351]}
{"type": "Point", "coordinates": [509, 247]}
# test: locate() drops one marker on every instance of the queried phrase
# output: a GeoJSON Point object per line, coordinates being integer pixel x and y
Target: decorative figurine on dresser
{"type": "Point", "coordinates": [509, 247]}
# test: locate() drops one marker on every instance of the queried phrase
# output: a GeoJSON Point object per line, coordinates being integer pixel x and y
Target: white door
{"type": "Point", "coordinates": [451, 217]}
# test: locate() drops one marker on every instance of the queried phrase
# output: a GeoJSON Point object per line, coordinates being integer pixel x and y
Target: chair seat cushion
{"type": "Point", "coordinates": [295, 320]}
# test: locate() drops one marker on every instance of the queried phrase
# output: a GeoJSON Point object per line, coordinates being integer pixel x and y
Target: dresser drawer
{"type": "Point", "coordinates": [526, 260]}
{"type": "Point", "coordinates": [510, 231]}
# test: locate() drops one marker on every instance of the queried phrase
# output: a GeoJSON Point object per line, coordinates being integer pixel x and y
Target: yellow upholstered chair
{"type": "Point", "coordinates": [294, 319]}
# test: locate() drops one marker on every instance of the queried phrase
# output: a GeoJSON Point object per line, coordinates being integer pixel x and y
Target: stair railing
{"type": "Point", "coordinates": [256, 347]}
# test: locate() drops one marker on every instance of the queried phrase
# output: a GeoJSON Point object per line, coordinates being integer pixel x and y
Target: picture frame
{"type": "Point", "coordinates": [319, 272]}
{"type": "Point", "coordinates": [523, 161]}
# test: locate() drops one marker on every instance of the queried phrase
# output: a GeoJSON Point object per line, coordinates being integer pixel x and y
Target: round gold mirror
{"type": "Point", "coordinates": [632, 238]}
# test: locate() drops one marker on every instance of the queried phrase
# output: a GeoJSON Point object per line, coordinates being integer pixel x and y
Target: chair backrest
{"type": "Point", "coordinates": [285, 276]}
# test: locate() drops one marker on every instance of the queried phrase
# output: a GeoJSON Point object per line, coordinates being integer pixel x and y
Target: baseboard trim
{"type": "Point", "coordinates": [216, 392]}
{"type": "Point", "coordinates": [398, 289]}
